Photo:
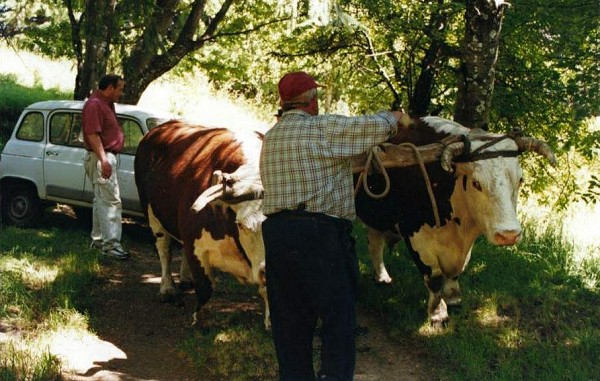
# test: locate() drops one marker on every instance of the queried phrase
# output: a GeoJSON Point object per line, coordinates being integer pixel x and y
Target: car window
{"type": "Point", "coordinates": [65, 128]}
{"type": "Point", "coordinates": [153, 122]}
{"type": "Point", "coordinates": [32, 127]}
{"type": "Point", "coordinates": [133, 134]}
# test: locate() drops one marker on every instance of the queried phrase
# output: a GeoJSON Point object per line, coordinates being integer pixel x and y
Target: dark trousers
{"type": "Point", "coordinates": [312, 270]}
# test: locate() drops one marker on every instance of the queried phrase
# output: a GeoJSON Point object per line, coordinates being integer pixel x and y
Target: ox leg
{"type": "Point", "coordinates": [376, 248]}
{"type": "Point", "coordinates": [202, 282]}
{"type": "Point", "coordinates": [261, 279]}
{"type": "Point", "coordinates": [168, 293]}
{"type": "Point", "coordinates": [185, 275]}
{"type": "Point", "coordinates": [262, 290]}
{"type": "Point", "coordinates": [451, 292]}
{"type": "Point", "coordinates": [436, 306]}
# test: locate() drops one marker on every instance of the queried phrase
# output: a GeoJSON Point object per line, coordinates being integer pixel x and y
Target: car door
{"type": "Point", "coordinates": [64, 173]}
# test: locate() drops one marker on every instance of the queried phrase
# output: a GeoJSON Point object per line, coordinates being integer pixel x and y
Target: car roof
{"type": "Point", "coordinates": [120, 108]}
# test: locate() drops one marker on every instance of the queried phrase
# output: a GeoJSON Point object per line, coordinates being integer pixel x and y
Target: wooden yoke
{"type": "Point", "coordinates": [403, 155]}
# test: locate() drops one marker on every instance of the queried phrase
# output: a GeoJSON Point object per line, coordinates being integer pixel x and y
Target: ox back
{"type": "Point", "coordinates": [175, 165]}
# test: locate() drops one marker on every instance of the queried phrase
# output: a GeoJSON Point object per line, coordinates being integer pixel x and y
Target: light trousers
{"type": "Point", "coordinates": [107, 210]}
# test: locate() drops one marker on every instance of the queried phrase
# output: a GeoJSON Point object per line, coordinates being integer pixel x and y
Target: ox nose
{"type": "Point", "coordinates": [507, 237]}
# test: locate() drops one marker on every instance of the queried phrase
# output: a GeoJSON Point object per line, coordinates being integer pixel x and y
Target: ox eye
{"type": "Point", "coordinates": [477, 186]}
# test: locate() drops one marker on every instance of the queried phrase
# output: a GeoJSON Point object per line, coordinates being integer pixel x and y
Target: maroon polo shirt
{"type": "Point", "coordinates": [99, 117]}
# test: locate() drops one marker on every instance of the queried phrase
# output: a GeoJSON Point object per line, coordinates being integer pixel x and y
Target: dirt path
{"type": "Point", "coordinates": [138, 336]}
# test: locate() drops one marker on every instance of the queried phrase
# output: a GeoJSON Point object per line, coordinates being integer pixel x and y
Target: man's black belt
{"type": "Point", "coordinates": [302, 214]}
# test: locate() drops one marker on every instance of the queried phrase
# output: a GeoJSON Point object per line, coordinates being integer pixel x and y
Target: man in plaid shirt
{"type": "Point", "coordinates": [311, 264]}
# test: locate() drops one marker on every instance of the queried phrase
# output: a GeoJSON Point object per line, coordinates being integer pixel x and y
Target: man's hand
{"type": "Point", "coordinates": [106, 169]}
{"type": "Point", "coordinates": [402, 118]}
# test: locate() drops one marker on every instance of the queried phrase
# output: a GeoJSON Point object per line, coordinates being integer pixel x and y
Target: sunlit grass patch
{"type": "Point", "coordinates": [235, 353]}
{"type": "Point", "coordinates": [27, 362]}
{"type": "Point", "coordinates": [43, 276]}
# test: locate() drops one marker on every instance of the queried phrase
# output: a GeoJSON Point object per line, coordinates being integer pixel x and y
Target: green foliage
{"type": "Point", "coordinates": [548, 83]}
{"type": "Point", "coordinates": [14, 97]}
{"type": "Point", "coordinates": [528, 312]}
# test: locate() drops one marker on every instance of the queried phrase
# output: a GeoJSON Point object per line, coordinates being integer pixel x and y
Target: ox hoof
{"type": "Point", "coordinates": [381, 280]}
{"type": "Point", "coordinates": [454, 305]}
{"type": "Point", "coordinates": [174, 297]}
{"type": "Point", "coordinates": [453, 302]}
{"type": "Point", "coordinates": [186, 285]}
{"type": "Point", "coordinates": [439, 323]}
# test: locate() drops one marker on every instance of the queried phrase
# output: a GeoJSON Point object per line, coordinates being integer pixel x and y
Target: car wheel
{"type": "Point", "coordinates": [21, 207]}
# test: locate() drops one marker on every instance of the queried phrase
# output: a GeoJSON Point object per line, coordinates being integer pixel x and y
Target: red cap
{"type": "Point", "coordinates": [293, 84]}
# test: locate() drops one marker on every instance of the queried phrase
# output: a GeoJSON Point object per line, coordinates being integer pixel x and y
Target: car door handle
{"type": "Point", "coordinates": [51, 153]}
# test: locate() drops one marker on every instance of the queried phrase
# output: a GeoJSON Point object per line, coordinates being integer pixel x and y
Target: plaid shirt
{"type": "Point", "coordinates": [308, 160]}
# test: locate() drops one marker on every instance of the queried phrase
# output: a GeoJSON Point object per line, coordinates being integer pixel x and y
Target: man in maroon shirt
{"type": "Point", "coordinates": [103, 139]}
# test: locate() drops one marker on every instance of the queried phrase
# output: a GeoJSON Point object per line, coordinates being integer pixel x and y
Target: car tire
{"type": "Point", "coordinates": [21, 206]}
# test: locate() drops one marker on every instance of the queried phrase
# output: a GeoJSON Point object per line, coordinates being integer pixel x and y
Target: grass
{"type": "Point", "coordinates": [24, 365]}
{"type": "Point", "coordinates": [237, 352]}
{"type": "Point", "coordinates": [529, 312]}
{"type": "Point", "coordinates": [44, 278]}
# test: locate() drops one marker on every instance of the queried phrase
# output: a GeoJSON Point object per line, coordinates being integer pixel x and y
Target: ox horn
{"type": "Point", "coordinates": [215, 191]}
{"type": "Point", "coordinates": [449, 153]}
{"type": "Point", "coordinates": [223, 188]}
{"type": "Point", "coordinates": [535, 145]}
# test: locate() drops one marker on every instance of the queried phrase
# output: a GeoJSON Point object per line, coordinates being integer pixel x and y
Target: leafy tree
{"type": "Point", "coordinates": [534, 65]}
{"type": "Point", "coordinates": [141, 39]}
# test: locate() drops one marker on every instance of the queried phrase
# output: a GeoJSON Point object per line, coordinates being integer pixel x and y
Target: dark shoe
{"type": "Point", "coordinates": [117, 253]}
{"type": "Point", "coordinates": [96, 245]}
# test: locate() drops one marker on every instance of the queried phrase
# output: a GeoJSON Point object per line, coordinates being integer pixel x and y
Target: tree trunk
{"type": "Point", "coordinates": [420, 99]}
{"type": "Point", "coordinates": [483, 21]}
{"type": "Point", "coordinates": [144, 65]}
{"type": "Point", "coordinates": [98, 26]}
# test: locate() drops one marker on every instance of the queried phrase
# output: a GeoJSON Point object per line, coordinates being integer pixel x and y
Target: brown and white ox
{"type": "Point", "coordinates": [475, 187]}
{"type": "Point", "coordinates": [176, 168]}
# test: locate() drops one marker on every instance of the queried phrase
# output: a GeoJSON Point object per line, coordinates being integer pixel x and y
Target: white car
{"type": "Point", "coordinates": [42, 161]}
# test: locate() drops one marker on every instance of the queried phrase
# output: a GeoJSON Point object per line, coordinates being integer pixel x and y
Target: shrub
{"type": "Point", "coordinates": [14, 97]}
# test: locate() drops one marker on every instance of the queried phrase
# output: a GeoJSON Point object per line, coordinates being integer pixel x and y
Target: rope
{"type": "Point", "coordinates": [378, 165]}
